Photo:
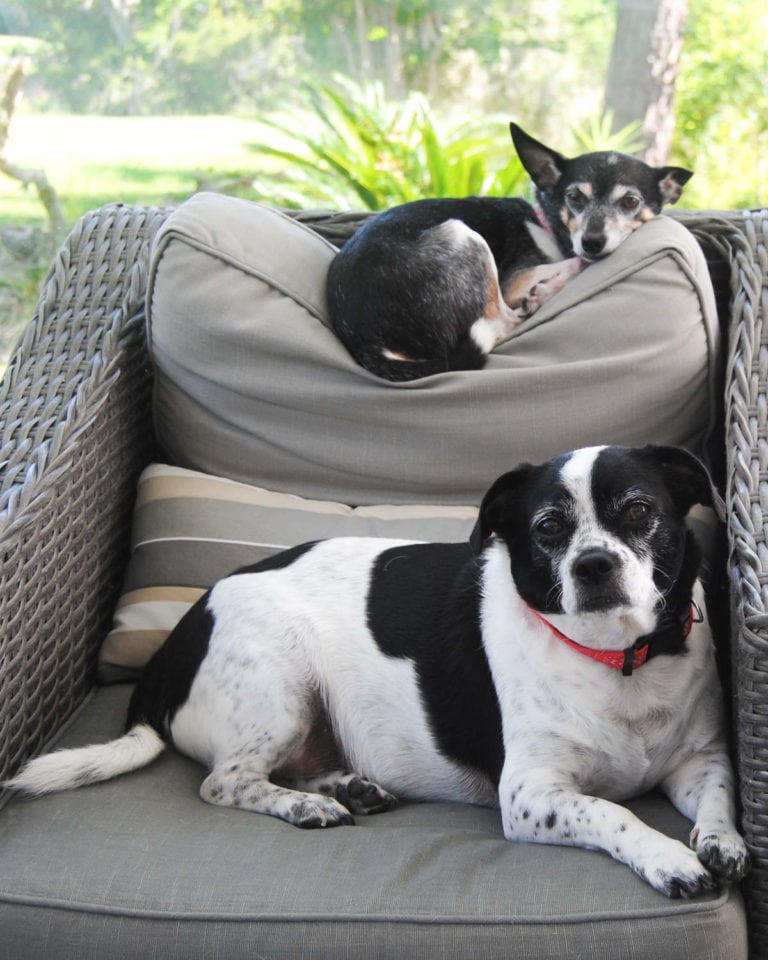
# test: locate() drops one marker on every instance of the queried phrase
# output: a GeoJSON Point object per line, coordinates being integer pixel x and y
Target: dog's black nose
{"type": "Point", "coordinates": [592, 244]}
{"type": "Point", "coordinates": [594, 566]}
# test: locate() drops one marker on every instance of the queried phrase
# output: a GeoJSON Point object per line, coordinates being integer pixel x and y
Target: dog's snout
{"type": "Point", "coordinates": [594, 236]}
{"type": "Point", "coordinates": [594, 566]}
{"type": "Point", "coordinates": [592, 243]}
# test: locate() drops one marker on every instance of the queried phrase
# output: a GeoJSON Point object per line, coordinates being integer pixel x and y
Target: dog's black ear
{"type": "Point", "coordinates": [687, 478]}
{"type": "Point", "coordinates": [544, 165]}
{"type": "Point", "coordinates": [499, 508]}
{"type": "Point", "coordinates": [671, 182]}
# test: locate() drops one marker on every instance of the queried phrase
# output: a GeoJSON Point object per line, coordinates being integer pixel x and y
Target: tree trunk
{"type": "Point", "coordinates": [393, 54]}
{"type": "Point", "coordinates": [643, 69]}
{"type": "Point", "coordinates": [364, 71]}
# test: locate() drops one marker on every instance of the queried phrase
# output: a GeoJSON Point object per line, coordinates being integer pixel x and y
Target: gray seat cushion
{"type": "Point", "coordinates": [140, 867]}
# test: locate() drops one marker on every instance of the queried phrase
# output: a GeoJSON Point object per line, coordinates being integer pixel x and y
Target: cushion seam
{"type": "Point", "coordinates": [229, 260]}
{"type": "Point", "coordinates": [686, 909]}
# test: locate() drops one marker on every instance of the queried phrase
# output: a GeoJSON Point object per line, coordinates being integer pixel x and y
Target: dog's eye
{"type": "Point", "coordinates": [629, 203]}
{"type": "Point", "coordinates": [576, 200]}
{"type": "Point", "coordinates": [550, 528]}
{"type": "Point", "coordinates": [636, 511]}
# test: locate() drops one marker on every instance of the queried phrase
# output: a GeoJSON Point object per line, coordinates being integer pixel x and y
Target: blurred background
{"type": "Point", "coordinates": [352, 104]}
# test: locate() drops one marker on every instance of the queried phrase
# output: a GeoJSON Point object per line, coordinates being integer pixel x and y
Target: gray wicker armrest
{"type": "Point", "coordinates": [747, 496]}
{"type": "Point", "coordinates": [75, 430]}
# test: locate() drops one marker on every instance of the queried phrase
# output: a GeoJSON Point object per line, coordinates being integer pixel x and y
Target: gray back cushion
{"type": "Point", "coordinates": [252, 384]}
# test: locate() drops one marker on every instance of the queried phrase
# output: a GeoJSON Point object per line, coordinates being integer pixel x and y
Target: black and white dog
{"type": "Point", "coordinates": [557, 663]}
{"type": "Point", "coordinates": [435, 285]}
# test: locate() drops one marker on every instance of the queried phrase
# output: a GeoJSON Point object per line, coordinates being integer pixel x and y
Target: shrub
{"type": "Point", "coordinates": [357, 149]}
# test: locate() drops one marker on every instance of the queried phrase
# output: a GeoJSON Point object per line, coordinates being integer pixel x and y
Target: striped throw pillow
{"type": "Point", "coordinates": [190, 529]}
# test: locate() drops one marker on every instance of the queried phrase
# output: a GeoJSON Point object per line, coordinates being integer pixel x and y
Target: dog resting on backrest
{"type": "Point", "coordinates": [559, 662]}
{"type": "Point", "coordinates": [435, 285]}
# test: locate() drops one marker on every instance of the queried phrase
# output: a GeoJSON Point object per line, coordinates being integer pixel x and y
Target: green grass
{"type": "Point", "coordinates": [96, 160]}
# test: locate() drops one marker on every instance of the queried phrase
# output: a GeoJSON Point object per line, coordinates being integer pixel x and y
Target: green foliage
{"type": "Point", "coordinates": [596, 134]}
{"type": "Point", "coordinates": [148, 56]}
{"type": "Point", "coordinates": [154, 56]}
{"type": "Point", "coordinates": [721, 101]}
{"type": "Point", "coordinates": [541, 64]}
{"type": "Point", "coordinates": [358, 148]}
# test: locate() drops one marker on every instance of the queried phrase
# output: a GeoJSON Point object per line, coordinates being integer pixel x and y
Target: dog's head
{"type": "Point", "coordinates": [598, 536]}
{"type": "Point", "coordinates": [597, 199]}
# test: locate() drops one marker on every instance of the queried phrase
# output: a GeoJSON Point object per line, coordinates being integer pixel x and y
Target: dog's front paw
{"type": "Point", "coordinates": [724, 854]}
{"type": "Point", "coordinates": [313, 812]}
{"type": "Point", "coordinates": [678, 872]}
{"type": "Point", "coordinates": [546, 281]}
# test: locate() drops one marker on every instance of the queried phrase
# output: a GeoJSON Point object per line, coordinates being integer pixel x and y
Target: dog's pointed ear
{"type": "Point", "coordinates": [498, 509]}
{"type": "Point", "coordinates": [671, 182]}
{"type": "Point", "coordinates": [687, 478]}
{"type": "Point", "coordinates": [544, 165]}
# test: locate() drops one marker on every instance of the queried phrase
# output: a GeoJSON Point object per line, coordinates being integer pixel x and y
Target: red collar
{"type": "Point", "coordinates": [626, 660]}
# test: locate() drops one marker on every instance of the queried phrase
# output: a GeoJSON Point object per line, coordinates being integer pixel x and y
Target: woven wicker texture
{"type": "Point", "coordinates": [747, 452]}
{"type": "Point", "coordinates": [75, 430]}
{"type": "Point", "coordinates": [74, 433]}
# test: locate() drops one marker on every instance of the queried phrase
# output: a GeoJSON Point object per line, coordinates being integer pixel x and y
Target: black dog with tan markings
{"type": "Point", "coordinates": [435, 285]}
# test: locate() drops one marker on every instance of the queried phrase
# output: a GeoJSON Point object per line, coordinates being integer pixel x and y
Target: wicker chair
{"type": "Point", "coordinates": [77, 430]}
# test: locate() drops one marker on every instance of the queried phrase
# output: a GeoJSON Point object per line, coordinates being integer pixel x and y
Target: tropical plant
{"type": "Point", "coordinates": [356, 148]}
{"type": "Point", "coordinates": [596, 134]}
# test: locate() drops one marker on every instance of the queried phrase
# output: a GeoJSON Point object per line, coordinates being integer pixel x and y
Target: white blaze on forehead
{"type": "Point", "coordinates": [576, 475]}
{"type": "Point", "coordinates": [621, 625]}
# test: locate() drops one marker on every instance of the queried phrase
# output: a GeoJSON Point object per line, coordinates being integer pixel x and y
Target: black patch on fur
{"type": "Point", "coordinates": [278, 561]}
{"type": "Point", "coordinates": [424, 605]}
{"type": "Point", "coordinates": [675, 481]}
{"type": "Point", "coordinates": [428, 317]}
{"type": "Point", "coordinates": [507, 509]}
{"type": "Point", "coordinates": [164, 685]}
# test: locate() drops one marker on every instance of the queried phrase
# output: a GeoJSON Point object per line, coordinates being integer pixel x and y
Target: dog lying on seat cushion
{"type": "Point", "coordinates": [557, 663]}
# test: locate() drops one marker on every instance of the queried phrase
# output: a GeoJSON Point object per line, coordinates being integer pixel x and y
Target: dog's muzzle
{"type": "Point", "coordinates": [597, 576]}
{"type": "Point", "coordinates": [593, 244]}
{"type": "Point", "coordinates": [594, 240]}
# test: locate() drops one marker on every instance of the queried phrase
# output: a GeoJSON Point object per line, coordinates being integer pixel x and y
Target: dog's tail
{"type": "Point", "coordinates": [464, 355]}
{"type": "Point", "coordinates": [67, 769]}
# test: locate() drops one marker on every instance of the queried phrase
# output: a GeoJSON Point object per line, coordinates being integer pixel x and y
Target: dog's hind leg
{"type": "Point", "coordinates": [236, 783]}
{"type": "Point", "coordinates": [351, 790]}
{"type": "Point", "coordinates": [499, 320]}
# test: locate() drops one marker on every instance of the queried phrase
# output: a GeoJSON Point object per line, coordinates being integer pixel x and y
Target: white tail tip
{"type": "Point", "coordinates": [67, 769]}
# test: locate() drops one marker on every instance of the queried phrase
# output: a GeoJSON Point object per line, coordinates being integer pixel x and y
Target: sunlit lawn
{"type": "Point", "coordinates": [95, 160]}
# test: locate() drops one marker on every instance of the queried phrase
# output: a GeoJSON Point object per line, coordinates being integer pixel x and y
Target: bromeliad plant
{"type": "Point", "coordinates": [358, 149]}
